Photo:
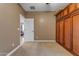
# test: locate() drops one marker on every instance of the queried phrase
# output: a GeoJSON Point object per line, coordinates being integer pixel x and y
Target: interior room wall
{"type": "Point", "coordinates": [9, 24]}
{"type": "Point", "coordinates": [45, 25]}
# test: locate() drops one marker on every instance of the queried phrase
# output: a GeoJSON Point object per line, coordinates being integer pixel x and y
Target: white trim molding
{"type": "Point", "coordinates": [10, 53]}
{"type": "Point", "coordinates": [44, 41]}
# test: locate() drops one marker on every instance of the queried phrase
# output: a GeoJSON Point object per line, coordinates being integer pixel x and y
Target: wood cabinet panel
{"type": "Point", "coordinates": [72, 7]}
{"type": "Point", "coordinates": [76, 34]}
{"type": "Point", "coordinates": [62, 14]}
{"type": "Point", "coordinates": [68, 28]}
{"type": "Point", "coordinates": [65, 11]}
{"type": "Point", "coordinates": [67, 33]}
{"type": "Point", "coordinates": [58, 16]}
{"type": "Point", "coordinates": [57, 31]}
{"type": "Point", "coordinates": [77, 5]}
{"type": "Point", "coordinates": [61, 32]}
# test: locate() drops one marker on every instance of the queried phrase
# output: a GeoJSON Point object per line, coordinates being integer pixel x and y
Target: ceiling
{"type": "Point", "coordinates": [43, 6]}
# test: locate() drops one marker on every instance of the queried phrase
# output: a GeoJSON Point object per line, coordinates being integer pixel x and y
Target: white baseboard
{"type": "Point", "coordinates": [10, 53]}
{"type": "Point", "coordinates": [44, 41]}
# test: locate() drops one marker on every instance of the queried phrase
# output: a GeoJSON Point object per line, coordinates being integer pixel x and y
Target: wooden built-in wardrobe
{"type": "Point", "coordinates": [67, 28]}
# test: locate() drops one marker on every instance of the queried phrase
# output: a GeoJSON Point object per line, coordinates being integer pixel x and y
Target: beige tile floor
{"type": "Point", "coordinates": [41, 49]}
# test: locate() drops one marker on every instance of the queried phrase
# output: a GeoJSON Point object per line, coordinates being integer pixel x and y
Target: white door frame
{"type": "Point", "coordinates": [22, 18]}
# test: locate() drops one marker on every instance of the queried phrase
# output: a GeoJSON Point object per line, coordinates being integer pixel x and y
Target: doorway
{"type": "Point", "coordinates": [29, 29]}
{"type": "Point", "coordinates": [22, 18]}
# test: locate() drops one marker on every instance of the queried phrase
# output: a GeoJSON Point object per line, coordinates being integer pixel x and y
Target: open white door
{"type": "Point", "coordinates": [29, 29]}
{"type": "Point", "coordinates": [22, 18]}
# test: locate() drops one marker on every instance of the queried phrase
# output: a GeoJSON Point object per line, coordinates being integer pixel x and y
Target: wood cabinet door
{"type": "Point", "coordinates": [76, 34]}
{"type": "Point", "coordinates": [65, 11]}
{"type": "Point", "coordinates": [61, 32]}
{"type": "Point", "coordinates": [72, 7]}
{"type": "Point", "coordinates": [77, 5]}
{"type": "Point", "coordinates": [57, 31]}
{"type": "Point", "coordinates": [67, 33]}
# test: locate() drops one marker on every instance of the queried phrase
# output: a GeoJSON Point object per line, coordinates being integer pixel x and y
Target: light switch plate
{"type": "Point", "coordinates": [18, 28]}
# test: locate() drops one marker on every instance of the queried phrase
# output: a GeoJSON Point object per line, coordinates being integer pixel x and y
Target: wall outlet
{"type": "Point", "coordinates": [18, 28]}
